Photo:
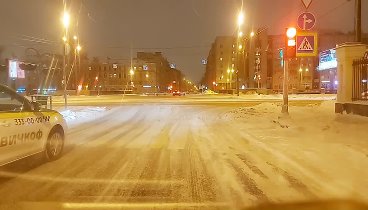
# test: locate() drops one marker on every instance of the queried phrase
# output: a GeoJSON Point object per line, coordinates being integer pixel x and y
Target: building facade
{"type": "Point", "coordinates": [260, 63]}
{"type": "Point", "coordinates": [244, 60]}
{"type": "Point", "coordinates": [147, 73]}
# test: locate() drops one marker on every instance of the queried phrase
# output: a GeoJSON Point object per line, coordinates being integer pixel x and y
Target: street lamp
{"type": "Point", "coordinates": [252, 34]}
{"type": "Point", "coordinates": [66, 22]}
{"type": "Point", "coordinates": [66, 19]}
{"type": "Point", "coordinates": [79, 48]}
{"type": "Point", "coordinates": [240, 48]}
{"type": "Point", "coordinates": [240, 18]}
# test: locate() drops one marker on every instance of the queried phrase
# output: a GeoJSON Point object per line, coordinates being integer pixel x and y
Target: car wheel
{"type": "Point", "coordinates": [54, 144]}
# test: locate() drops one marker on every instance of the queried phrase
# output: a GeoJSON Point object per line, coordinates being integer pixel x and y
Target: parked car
{"type": "Point", "coordinates": [177, 93]}
{"type": "Point", "coordinates": [26, 129]}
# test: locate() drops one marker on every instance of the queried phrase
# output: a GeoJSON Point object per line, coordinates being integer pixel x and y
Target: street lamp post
{"type": "Point", "coordinates": [66, 22]}
{"type": "Point", "coordinates": [239, 47]}
{"type": "Point", "coordinates": [301, 77]}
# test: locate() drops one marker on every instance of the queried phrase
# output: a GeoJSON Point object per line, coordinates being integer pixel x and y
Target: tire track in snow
{"type": "Point", "coordinates": [294, 183]}
{"type": "Point", "coordinates": [251, 166]}
{"type": "Point", "coordinates": [249, 184]}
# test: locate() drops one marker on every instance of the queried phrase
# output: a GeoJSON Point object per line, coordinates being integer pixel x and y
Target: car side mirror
{"type": "Point", "coordinates": [36, 106]}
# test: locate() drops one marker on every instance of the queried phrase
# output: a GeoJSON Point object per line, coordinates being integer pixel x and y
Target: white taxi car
{"type": "Point", "coordinates": [26, 129]}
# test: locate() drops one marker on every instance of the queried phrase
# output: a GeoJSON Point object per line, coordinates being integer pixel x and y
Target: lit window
{"type": "Point", "coordinates": [221, 59]}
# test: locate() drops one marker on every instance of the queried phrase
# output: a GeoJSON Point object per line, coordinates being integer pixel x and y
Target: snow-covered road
{"type": "Point", "coordinates": [200, 157]}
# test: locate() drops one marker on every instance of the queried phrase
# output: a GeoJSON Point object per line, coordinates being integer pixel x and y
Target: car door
{"type": "Point", "coordinates": [18, 136]}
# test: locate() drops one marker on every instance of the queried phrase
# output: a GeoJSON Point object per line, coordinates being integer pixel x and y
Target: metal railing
{"type": "Point", "coordinates": [360, 79]}
{"type": "Point", "coordinates": [44, 100]}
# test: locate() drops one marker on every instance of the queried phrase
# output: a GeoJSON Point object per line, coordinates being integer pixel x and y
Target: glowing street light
{"type": "Point", "coordinates": [64, 38]}
{"type": "Point", "coordinates": [252, 34]}
{"type": "Point", "coordinates": [147, 75]}
{"type": "Point", "coordinates": [75, 37]}
{"type": "Point", "coordinates": [300, 69]}
{"type": "Point", "coordinates": [240, 34]}
{"type": "Point", "coordinates": [79, 48]}
{"type": "Point", "coordinates": [131, 72]}
{"type": "Point", "coordinates": [66, 19]}
{"type": "Point", "coordinates": [240, 18]}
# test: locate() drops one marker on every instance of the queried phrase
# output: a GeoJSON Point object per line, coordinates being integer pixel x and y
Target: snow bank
{"type": "Point", "coordinates": [77, 115]}
{"type": "Point", "coordinates": [308, 123]}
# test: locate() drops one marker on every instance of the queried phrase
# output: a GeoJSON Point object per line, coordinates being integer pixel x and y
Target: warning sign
{"type": "Point", "coordinates": [306, 44]}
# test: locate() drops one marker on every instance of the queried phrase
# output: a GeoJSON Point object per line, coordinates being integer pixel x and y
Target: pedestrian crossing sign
{"type": "Point", "coordinates": [306, 44]}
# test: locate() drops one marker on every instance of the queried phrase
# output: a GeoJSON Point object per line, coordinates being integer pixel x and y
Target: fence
{"type": "Point", "coordinates": [360, 79]}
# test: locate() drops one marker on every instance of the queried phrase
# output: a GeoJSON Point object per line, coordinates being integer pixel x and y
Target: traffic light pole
{"type": "Point", "coordinates": [285, 105]}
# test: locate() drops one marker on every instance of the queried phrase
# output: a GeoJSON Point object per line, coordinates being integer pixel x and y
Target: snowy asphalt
{"type": "Point", "coordinates": [160, 156]}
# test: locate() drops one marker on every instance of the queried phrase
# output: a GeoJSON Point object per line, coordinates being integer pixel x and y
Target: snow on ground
{"type": "Point", "coordinates": [312, 139]}
{"type": "Point", "coordinates": [314, 122]}
{"type": "Point", "coordinates": [76, 115]}
{"type": "Point", "coordinates": [176, 156]}
{"type": "Point", "coordinates": [291, 96]}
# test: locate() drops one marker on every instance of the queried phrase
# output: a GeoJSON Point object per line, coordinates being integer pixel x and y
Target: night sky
{"type": "Point", "coordinates": [182, 29]}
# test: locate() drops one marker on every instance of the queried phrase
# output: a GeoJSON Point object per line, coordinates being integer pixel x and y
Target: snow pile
{"type": "Point", "coordinates": [305, 123]}
{"type": "Point", "coordinates": [291, 96]}
{"type": "Point", "coordinates": [249, 112]}
{"type": "Point", "coordinates": [77, 115]}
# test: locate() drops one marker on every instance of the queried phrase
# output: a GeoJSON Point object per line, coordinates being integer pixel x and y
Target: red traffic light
{"type": "Point", "coordinates": [291, 32]}
{"type": "Point", "coordinates": [290, 42]}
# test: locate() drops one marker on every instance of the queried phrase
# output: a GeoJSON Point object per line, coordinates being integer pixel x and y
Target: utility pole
{"type": "Point", "coordinates": [64, 77]}
{"type": "Point", "coordinates": [285, 88]}
{"type": "Point", "coordinates": [66, 23]}
{"type": "Point", "coordinates": [358, 20]}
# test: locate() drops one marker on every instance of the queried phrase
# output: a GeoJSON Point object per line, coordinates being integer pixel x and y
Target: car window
{"type": "Point", "coordinates": [9, 102]}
